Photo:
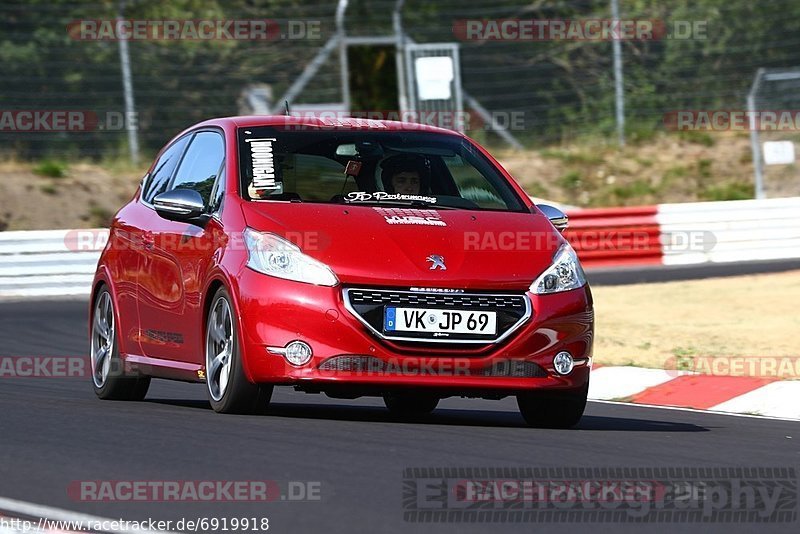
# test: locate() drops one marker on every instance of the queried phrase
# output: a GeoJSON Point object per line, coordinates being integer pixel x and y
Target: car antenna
{"type": "Point", "coordinates": [286, 105]}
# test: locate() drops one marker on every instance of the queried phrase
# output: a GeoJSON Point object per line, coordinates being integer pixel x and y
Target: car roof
{"type": "Point", "coordinates": [341, 123]}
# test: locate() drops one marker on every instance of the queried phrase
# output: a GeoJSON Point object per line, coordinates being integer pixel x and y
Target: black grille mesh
{"type": "Point", "coordinates": [471, 301]}
{"type": "Point", "coordinates": [515, 369]}
{"type": "Point", "coordinates": [353, 362]}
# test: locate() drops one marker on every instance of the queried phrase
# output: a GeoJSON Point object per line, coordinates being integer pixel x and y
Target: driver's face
{"type": "Point", "coordinates": [406, 183]}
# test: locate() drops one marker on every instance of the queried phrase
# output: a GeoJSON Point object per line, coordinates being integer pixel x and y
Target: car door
{"type": "Point", "coordinates": [174, 268]}
{"type": "Point", "coordinates": [127, 243]}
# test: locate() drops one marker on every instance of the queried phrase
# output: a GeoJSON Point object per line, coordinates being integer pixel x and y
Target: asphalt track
{"type": "Point", "coordinates": [673, 273]}
{"type": "Point", "coordinates": [54, 432]}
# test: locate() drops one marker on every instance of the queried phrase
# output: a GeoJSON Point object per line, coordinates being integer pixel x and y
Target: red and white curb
{"type": "Point", "coordinates": [768, 397]}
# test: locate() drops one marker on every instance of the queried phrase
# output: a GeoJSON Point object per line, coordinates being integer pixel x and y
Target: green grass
{"type": "Point", "coordinates": [635, 189]}
{"type": "Point", "coordinates": [48, 189]}
{"type": "Point", "coordinates": [99, 216]}
{"type": "Point", "coordinates": [639, 133]}
{"type": "Point", "coordinates": [537, 190]}
{"type": "Point", "coordinates": [704, 167]}
{"type": "Point", "coordinates": [570, 181]}
{"type": "Point", "coordinates": [699, 138]}
{"type": "Point", "coordinates": [681, 351]}
{"type": "Point", "coordinates": [731, 191]}
{"type": "Point", "coordinates": [588, 157]}
{"type": "Point", "coordinates": [678, 171]}
{"type": "Point", "coordinates": [51, 169]}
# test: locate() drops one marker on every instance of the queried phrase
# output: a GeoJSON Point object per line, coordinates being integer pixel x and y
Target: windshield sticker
{"type": "Point", "coordinates": [414, 217]}
{"type": "Point", "coordinates": [263, 163]}
{"type": "Point", "coordinates": [353, 168]}
{"type": "Point", "coordinates": [363, 196]}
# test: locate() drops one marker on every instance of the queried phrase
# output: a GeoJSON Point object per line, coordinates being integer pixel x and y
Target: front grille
{"type": "Point", "coordinates": [353, 363]}
{"type": "Point", "coordinates": [368, 306]}
{"type": "Point", "coordinates": [437, 300]}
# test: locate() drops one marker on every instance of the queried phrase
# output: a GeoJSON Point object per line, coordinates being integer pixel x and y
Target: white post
{"type": "Point", "coordinates": [399, 57]}
{"type": "Point", "coordinates": [755, 143]}
{"type": "Point", "coordinates": [618, 81]}
{"type": "Point", "coordinates": [127, 87]}
{"type": "Point", "coordinates": [344, 70]}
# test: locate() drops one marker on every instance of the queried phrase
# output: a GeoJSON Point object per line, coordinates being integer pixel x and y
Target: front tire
{"type": "Point", "coordinates": [229, 390]}
{"type": "Point", "coordinates": [406, 404]}
{"type": "Point", "coordinates": [109, 379]}
{"type": "Point", "coordinates": [553, 409]}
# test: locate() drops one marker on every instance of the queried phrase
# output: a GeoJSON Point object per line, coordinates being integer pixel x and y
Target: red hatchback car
{"type": "Point", "coordinates": [347, 257]}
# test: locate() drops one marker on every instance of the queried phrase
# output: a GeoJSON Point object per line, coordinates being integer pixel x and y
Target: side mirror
{"type": "Point", "coordinates": [556, 216]}
{"type": "Point", "coordinates": [182, 205]}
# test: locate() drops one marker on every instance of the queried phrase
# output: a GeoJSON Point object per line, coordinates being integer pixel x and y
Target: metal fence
{"type": "Point", "coordinates": [562, 87]}
{"type": "Point", "coordinates": [775, 98]}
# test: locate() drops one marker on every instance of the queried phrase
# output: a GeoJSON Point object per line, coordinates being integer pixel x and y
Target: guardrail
{"type": "Point", "coordinates": [49, 262]}
{"type": "Point", "coordinates": [615, 236]}
{"type": "Point", "coordinates": [62, 262]}
{"type": "Point", "coordinates": [740, 230]}
{"type": "Point", "coordinates": [692, 233]}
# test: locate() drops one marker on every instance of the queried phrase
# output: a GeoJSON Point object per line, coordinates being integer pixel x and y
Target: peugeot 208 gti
{"type": "Point", "coordinates": [347, 257]}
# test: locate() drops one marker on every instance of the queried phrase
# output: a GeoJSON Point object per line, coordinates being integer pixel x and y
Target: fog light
{"type": "Point", "coordinates": [296, 352]}
{"type": "Point", "coordinates": [299, 353]}
{"type": "Point", "coordinates": [563, 363]}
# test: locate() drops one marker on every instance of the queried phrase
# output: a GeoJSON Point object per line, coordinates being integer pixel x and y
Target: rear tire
{"type": "Point", "coordinates": [405, 404]}
{"type": "Point", "coordinates": [553, 409]}
{"type": "Point", "coordinates": [109, 379]}
{"type": "Point", "coordinates": [229, 390]}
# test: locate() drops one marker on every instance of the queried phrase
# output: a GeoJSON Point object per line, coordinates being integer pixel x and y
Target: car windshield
{"type": "Point", "coordinates": [312, 164]}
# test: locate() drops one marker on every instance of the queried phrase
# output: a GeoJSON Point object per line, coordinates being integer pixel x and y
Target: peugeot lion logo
{"type": "Point", "coordinates": [437, 262]}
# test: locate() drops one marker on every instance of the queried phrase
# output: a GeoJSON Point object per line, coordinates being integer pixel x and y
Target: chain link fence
{"type": "Point", "coordinates": [704, 55]}
{"type": "Point", "coordinates": [774, 118]}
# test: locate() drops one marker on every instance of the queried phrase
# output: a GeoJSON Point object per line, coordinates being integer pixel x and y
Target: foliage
{"type": "Point", "coordinates": [564, 88]}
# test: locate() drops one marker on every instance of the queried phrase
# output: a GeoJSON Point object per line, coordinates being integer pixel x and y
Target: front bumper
{"type": "Point", "coordinates": [274, 312]}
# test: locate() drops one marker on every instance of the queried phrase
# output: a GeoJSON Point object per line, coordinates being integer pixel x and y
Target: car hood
{"type": "Point", "coordinates": [391, 246]}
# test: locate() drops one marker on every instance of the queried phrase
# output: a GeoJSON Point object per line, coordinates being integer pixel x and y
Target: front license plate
{"type": "Point", "coordinates": [439, 321]}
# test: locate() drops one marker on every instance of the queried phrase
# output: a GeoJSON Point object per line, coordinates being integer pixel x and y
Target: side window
{"type": "Point", "coordinates": [201, 164]}
{"type": "Point", "coordinates": [472, 185]}
{"type": "Point", "coordinates": [163, 169]}
{"type": "Point", "coordinates": [218, 194]}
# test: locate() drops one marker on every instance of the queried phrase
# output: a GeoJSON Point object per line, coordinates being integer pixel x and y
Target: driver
{"type": "Point", "coordinates": [406, 174]}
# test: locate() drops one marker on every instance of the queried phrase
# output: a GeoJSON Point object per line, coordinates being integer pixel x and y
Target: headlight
{"type": "Point", "coordinates": [272, 255]}
{"type": "Point", "coordinates": [566, 273]}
